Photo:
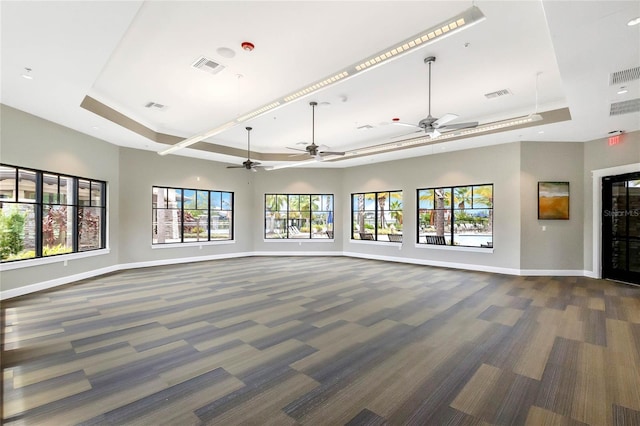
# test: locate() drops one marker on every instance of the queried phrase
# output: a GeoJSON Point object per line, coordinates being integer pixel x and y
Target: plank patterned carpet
{"type": "Point", "coordinates": [322, 341]}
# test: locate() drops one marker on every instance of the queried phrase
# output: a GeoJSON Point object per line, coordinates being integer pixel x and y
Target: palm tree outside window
{"type": "Point", "coordinates": [456, 216]}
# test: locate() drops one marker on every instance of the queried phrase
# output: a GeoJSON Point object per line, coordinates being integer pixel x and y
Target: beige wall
{"type": "Point", "coordinates": [499, 165]}
{"type": "Point", "coordinates": [141, 170]}
{"type": "Point", "coordinates": [297, 181]}
{"type": "Point", "coordinates": [29, 141]}
{"type": "Point", "coordinates": [551, 244]}
{"type": "Point", "coordinates": [514, 170]}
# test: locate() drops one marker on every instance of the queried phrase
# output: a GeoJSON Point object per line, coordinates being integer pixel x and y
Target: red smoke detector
{"type": "Point", "coordinates": [247, 46]}
{"type": "Point", "coordinates": [395, 119]}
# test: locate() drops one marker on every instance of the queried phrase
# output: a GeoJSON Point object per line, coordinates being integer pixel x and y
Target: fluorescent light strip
{"type": "Point", "coordinates": [466, 19]}
{"type": "Point", "coordinates": [193, 139]}
{"type": "Point", "coordinates": [316, 86]}
{"type": "Point", "coordinates": [450, 135]}
{"type": "Point", "coordinates": [258, 111]}
{"type": "Point", "coordinates": [411, 44]}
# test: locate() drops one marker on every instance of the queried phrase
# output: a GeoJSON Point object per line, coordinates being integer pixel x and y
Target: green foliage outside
{"type": "Point", "coordinates": [11, 233]}
{"type": "Point", "coordinates": [46, 251]}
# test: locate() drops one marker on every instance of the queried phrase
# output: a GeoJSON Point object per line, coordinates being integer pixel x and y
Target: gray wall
{"type": "Point", "coordinates": [29, 141]}
{"type": "Point", "coordinates": [551, 244]}
{"type": "Point", "coordinates": [514, 169]}
{"type": "Point", "coordinates": [498, 164]}
{"type": "Point", "coordinates": [140, 170]}
{"type": "Point", "coordinates": [297, 181]}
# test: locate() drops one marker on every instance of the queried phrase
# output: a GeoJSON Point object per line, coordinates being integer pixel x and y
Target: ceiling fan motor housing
{"type": "Point", "coordinates": [427, 123]}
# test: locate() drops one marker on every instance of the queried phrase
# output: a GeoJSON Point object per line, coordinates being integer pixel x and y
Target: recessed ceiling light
{"type": "Point", "coordinates": [226, 52]}
{"type": "Point", "coordinates": [622, 90]}
{"type": "Point", "coordinates": [634, 21]}
{"type": "Point", "coordinates": [541, 132]}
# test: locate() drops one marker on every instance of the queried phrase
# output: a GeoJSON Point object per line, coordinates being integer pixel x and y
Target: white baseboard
{"type": "Point", "coordinates": [45, 285]}
{"type": "Point", "coordinates": [176, 261]}
{"type": "Point", "coordinates": [592, 274]}
{"type": "Point", "coordinates": [296, 253]}
{"type": "Point", "coordinates": [427, 262]}
{"type": "Point", "coordinates": [31, 288]}
{"type": "Point", "coordinates": [554, 272]}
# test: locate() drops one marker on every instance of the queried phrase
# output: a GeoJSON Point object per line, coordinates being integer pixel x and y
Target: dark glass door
{"type": "Point", "coordinates": [621, 227]}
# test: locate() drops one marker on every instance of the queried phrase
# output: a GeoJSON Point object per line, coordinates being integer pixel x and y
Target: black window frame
{"type": "Point", "coordinates": [181, 209]}
{"type": "Point", "coordinates": [451, 209]}
{"type": "Point", "coordinates": [39, 204]}
{"type": "Point", "coordinates": [289, 231]}
{"type": "Point", "coordinates": [375, 237]}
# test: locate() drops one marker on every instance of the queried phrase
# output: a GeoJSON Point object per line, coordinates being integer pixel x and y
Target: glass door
{"type": "Point", "coordinates": [621, 227]}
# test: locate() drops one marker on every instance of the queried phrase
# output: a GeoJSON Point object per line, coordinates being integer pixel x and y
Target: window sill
{"type": "Point", "coordinates": [27, 263]}
{"type": "Point", "coordinates": [377, 243]}
{"type": "Point", "coordinates": [298, 240]}
{"type": "Point", "coordinates": [455, 248]}
{"type": "Point", "coordinates": [191, 244]}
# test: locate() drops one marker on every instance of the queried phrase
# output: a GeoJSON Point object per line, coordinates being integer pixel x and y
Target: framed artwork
{"type": "Point", "coordinates": [553, 200]}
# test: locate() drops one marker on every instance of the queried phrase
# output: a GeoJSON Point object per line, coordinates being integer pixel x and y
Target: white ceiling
{"type": "Point", "coordinates": [126, 54]}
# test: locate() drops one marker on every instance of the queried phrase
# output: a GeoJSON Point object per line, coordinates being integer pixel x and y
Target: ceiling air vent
{"type": "Point", "coordinates": [155, 105]}
{"type": "Point", "coordinates": [498, 94]}
{"type": "Point", "coordinates": [365, 127]}
{"type": "Point", "coordinates": [207, 65]}
{"type": "Point", "coordinates": [623, 76]}
{"type": "Point", "coordinates": [625, 107]}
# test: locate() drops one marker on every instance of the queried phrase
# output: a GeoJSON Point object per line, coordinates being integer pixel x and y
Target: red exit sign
{"type": "Point", "coordinates": [615, 140]}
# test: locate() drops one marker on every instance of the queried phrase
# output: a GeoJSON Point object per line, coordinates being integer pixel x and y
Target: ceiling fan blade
{"type": "Point", "coordinates": [235, 167]}
{"type": "Point", "coordinates": [443, 120]}
{"type": "Point", "coordinates": [434, 134]}
{"type": "Point", "coordinates": [456, 126]}
{"type": "Point", "coordinates": [397, 123]}
{"type": "Point", "coordinates": [331, 153]}
{"type": "Point", "coordinates": [407, 134]}
{"type": "Point", "coordinates": [254, 163]}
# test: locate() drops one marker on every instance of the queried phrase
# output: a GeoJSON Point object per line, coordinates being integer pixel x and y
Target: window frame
{"type": "Point", "coordinates": [71, 202]}
{"type": "Point", "coordinates": [181, 211]}
{"type": "Point", "coordinates": [452, 210]}
{"type": "Point", "coordinates": [289, 234]}
{"type": "Point", "coordinates": [376, 212]}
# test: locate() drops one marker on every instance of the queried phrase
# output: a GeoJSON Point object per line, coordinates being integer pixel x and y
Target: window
{"type": "Point", "coordinates": [45, 214]}
{"type": "Point", "coordinates": [377, 216]}
{"type": "Point", "coordinates": [191, 215]}
{"type": "Point", "coordinates": [298, 216]}
{"type": "Point", "coordinates": [459, 215]}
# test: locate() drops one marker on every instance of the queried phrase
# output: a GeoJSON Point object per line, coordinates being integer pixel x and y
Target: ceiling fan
{"type": "Point", "coordinates": [435, 126]}
{"type": "Point", "coordinates": [249, 165]}
{"type": "Point", "coordinates": [316, 151]}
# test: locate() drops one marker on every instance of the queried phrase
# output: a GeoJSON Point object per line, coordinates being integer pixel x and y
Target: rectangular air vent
{"type": "Point", "coordinates": [623, 76]}
{"type": "Point", "coordinates": [498, 94]}
{"type": "Point", "coordinates": [154, 105]}
{"type": "Point", "coordinates": [207, 65]}
{"type": "Point", "coordinates": [625, 107]}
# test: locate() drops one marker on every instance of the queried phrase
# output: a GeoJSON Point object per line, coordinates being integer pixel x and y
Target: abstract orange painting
{"type": "Point", "coordinates": [553, 200]}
